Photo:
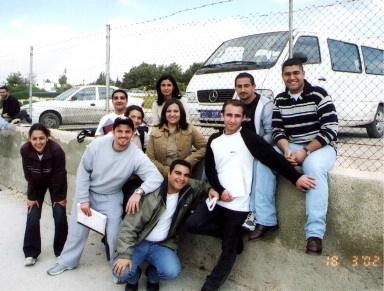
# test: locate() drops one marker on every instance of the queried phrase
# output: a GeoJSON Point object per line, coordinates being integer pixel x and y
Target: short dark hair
{"type": "Point", "coordinates": [233, 102]}
{"type": "Point", "coordinates": [5, 88]}
{"type": "Point", "coordinates": [292, 62]}
{"type": "Point", "coordinates": [183, 115]}
{"type": "Point", "coordinates": [123, 120]}
{"type": "Point", "coordinates": [121, 91]}
{"type": "Point", "coordinates": [245, 75]}
{"type": "Point", "coordinates": [39, 126]}
{"type": "Point", "coordinates": [134, 107]}
{"type": "Point", "coordinates": [175, 91]}
{"type": "Point", "coordinates": [180, 162]}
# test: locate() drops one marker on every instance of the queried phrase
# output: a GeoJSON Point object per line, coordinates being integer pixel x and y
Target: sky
{"type": "Point", "coordinates": [40, 23]}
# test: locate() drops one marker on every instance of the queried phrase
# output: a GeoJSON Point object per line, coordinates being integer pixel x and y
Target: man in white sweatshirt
{"type": "Point", "coordinates": [104, 168]}
{"type": "Point", "coordinates": [228, 165]}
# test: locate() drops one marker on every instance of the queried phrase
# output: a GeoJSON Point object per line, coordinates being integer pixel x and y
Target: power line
{"type": "Point", "coordinates": [177, 12]}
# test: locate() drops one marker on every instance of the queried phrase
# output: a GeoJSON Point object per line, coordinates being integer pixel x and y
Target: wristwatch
{"type": "Point", "coordinates": [139, 191]}
{"type": "Point", "coordinates": [307, 151]}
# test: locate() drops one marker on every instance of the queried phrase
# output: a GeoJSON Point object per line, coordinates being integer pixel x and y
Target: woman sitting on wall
{"type": "Point", "coordinates": [166, 89]}
{"type": "Point", "coordinates": [173, 138]}
{"type": "Point", "coordinates": [44, 168]}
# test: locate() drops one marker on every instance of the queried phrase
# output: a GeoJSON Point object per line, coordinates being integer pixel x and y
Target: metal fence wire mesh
{"type": "Point", "coordinates": [343, 41]}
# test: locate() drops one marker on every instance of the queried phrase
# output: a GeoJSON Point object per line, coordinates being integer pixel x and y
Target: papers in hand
{"type": "Point", "coordinates": [211, 204]}
{"type": "Point", "coordinates": [96, 222]}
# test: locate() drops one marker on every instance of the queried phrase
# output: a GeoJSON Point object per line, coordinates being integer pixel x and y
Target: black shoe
{"type": "Point", "coordinates": [28, 119]}
{"type": "Point", "coordinates": [153, 286]}
{"type": "Point", "coordinates": [261, 231]}
{"type": "Point", "coordinates": [132, 287]}
{"type": "Point", "coordinates": [314, 246]}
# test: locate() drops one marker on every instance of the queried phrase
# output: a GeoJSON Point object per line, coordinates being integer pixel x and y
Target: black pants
{"type": "Point", "coordinates": [225, 224]}
{"type": "Point", "coordinates": [32, 238]}
{"type": "Point", "coordinates": [129, 187]}
{"type": "Point", "coordinates": [21, 115]}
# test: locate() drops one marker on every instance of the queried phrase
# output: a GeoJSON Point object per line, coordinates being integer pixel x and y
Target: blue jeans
{"type": "Point", "coordinates": [317, 165]}
{"type": "Point", "coordinates": [32, 238]}
{"type": "Point", "coordinates": [225, 224]}
{"type": "Point", "coordinates": [164, 263]}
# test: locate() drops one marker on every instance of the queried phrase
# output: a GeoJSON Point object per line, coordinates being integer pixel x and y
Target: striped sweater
{"type": "Point", "coordinates": [312, 116]}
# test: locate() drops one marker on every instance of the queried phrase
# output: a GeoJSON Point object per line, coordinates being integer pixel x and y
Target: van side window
{"type": "Point", "coordinates": [310, 46]}
{"type": "Point", "coordinates": [344, 56]}
{"type": "Point", "coordinates": [374, 60]}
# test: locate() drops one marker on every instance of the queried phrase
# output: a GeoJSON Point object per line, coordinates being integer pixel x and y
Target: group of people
{"type": "Point", "coordinates": [142, 182]}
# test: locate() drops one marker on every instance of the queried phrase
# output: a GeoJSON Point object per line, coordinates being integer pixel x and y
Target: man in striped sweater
{"type": "Point", "coordinates": [305, 128]}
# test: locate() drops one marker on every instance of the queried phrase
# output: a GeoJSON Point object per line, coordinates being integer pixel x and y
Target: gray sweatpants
{"type": "Point", "coordinates": [109, 205]}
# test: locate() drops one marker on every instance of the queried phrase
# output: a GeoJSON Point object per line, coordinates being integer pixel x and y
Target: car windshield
{"type": "Point", "coordinates": [259, 50]}
{"type": "Point", "coordinates": [66, 94]}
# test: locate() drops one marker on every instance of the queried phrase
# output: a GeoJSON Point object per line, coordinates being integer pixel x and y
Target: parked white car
{"type": "Point", "coordinates": [136, 93]}
{"type": "Point", "coordinates": [78, 105]}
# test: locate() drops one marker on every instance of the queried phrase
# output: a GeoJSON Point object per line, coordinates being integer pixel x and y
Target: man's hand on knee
{"type": "Point", "coordinates": [306, 182]}
{"type": "Point", "coordinates": [120, 265]}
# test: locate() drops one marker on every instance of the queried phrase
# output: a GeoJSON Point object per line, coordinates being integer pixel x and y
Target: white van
{"type": "Point", "coordinates": [351, 72]}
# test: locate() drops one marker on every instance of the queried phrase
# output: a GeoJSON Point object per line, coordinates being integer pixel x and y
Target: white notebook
{"type": "Point", "coordinates": [96, 222]}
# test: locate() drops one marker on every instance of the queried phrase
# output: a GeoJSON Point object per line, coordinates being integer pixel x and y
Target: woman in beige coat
{"type": "Point", "coordinates": [173, 138]}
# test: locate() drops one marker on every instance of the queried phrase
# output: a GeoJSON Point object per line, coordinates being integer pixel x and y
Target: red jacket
{"type": "Point", "coordinates": [50, 172]}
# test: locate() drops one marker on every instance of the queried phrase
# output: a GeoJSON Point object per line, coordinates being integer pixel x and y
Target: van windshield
{"type": "Point", "coordinates": [258, 51]}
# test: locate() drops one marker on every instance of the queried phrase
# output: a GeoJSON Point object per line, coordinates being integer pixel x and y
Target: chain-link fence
{"type": "Point", "coordinates": [343, 42]}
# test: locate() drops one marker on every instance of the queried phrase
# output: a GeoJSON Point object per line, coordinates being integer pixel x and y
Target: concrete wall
{"type": "Point", "coordinates": [352, 248]}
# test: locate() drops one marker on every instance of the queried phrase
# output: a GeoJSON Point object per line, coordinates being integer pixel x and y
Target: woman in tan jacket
{"type": "Point", "coordinates": [173, 138]}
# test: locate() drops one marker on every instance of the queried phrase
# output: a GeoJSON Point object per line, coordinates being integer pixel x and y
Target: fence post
{"type": "Point", "coordinates": [30, 78]}
{"type": "Point", "coordinates": [107, 65]}
{"type": "Point", "coordinates": [290, 27]}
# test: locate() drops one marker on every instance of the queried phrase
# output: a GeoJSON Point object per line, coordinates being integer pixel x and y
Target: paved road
{"type": "Point", "coordinates": [93, 272]}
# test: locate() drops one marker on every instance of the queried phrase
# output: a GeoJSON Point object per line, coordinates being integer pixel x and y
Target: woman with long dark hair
{"type": "Point", "coordinates": [44, 168]}
{"type": "Point", "coordinates": [166, 88]}
{"type": "Point", "coordinates": [173, 138]}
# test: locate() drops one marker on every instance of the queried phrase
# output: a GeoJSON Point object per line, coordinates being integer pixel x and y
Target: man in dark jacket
{"type": "Point", "coordinates": [11, 107]}
{"type": "Point", "coordinates": [151, 234]}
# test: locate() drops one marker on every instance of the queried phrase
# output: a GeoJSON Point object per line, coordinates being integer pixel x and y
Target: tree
{"type": "Point", "coordinates": [102, 80]}
{"type": "Point", "coordinates": [15, 79]}
{"type": "Point", "coordinates": [144, 75]}
{"type": "Point", "coordinates": [174, 70]}
{"type": "Point", "coordinates": [118, 83]}
{"type": "Point", "coordinates": [188, 74]}
{"type": "Point", "coordinates": [63, 79]}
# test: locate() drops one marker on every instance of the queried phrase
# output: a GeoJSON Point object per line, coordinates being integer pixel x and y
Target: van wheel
{"type": "Point", "coordinates": [376, 128]}
{"type": "Point", "coordinates": [50, 120]}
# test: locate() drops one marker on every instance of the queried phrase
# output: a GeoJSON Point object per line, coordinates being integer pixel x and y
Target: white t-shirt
{"type": "Point", "coordinates": [234, 166]}
{"type": "Point", "coordinates": [160, 231]}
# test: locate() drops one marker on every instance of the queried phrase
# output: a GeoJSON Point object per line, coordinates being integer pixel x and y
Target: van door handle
{"type": "Point", "coordinates": [92, 104]}
{"type": "Point", "coordinates": [322, 79]}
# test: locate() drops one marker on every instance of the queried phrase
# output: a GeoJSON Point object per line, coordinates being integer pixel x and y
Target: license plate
{"type": "Point", "coordinates": [210, 114]}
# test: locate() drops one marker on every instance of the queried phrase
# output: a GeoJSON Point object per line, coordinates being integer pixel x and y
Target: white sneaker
{"type": "Point", "coordinates": [57, 269]}
{"type": "Point", "coordinates": [250, 223]}
{"type": "Point", "coordinates": [29, 261]}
